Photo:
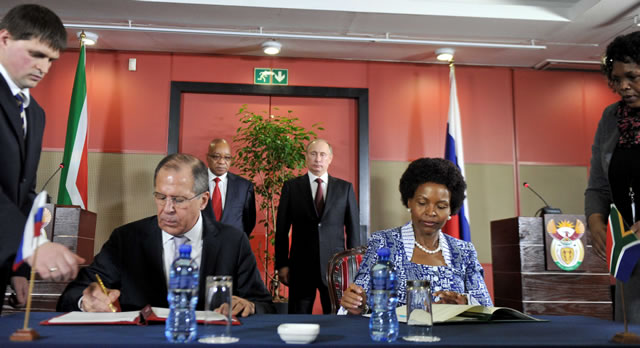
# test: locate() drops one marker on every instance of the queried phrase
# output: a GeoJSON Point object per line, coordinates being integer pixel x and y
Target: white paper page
{"type": "Point", "coordinates": [441, 312]}
{"type": "Point", "coordinates": [88, 317]}
{"type": "Point", "coordinates": [444, 312]}
{"type": "Point", "coordinates": [200, 315]}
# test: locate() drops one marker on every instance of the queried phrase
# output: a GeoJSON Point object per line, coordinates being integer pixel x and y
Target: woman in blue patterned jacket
{"type": "Point", "coordinates": [432, 189]}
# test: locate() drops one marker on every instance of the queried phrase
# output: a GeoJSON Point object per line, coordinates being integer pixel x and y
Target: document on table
{"type": "Point", "coordinates": [449, 313]}
{"type": "Point", "coordinates": [149, 314]}
{"type": "Point", "coordinates": [96, 318]}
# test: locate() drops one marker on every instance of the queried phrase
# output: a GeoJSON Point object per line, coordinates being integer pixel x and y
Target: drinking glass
{"type": "Point", "coordinates": [419, 312]}
{"type": "Point", "coordinates": [217, 311]}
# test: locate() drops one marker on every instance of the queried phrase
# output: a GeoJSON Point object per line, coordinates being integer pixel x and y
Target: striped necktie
{"type": "Point", "coordinates": [178, 241]}
{"type": "Point", "coordinates": [20, 98]}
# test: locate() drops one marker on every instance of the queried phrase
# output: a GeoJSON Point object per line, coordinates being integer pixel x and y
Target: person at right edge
{"type": "Point", "coordinates": [615, 160]}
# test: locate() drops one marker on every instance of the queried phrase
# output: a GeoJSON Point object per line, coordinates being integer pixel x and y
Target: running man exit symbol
{"type": "Point", "coordinates": [262, 76]}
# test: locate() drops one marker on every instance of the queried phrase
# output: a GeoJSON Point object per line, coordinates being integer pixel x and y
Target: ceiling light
{"type": "Point", "coordinates": [271, 47]}
{"type": "Point", "coordinates": [445, 54]}
{"type": "Point", "coordinates": [89, 38]}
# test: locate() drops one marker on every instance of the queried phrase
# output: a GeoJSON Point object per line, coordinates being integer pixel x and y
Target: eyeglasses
{"type": "Point", "coordinates": [217, 157]}
{"type": "Point", "coordinates": [178, 202]}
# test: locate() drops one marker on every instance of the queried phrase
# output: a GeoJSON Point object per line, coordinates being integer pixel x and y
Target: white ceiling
{"type": "Point", "coordinates": [548, 33]}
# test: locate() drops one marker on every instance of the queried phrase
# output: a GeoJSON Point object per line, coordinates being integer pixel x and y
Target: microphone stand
{"type": "Point", "coordinates": [60, 166]}
{"type": "Point", "coordinates": [547, 209]}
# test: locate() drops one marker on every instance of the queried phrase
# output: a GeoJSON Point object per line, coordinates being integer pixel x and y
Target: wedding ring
{"type": "Point", "coordinates": [53, 269]}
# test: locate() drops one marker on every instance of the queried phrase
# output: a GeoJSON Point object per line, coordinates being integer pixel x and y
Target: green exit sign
{"type": "Point", "coordinates": [280, 77]}
{"type": "Point", "coordinates": [269, 76]}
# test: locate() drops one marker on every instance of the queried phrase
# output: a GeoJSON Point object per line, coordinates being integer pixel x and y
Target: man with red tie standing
{"type": "Point", "coordinates": [321, 209]}
{"type": "Point", "coordinates": [232, 200]}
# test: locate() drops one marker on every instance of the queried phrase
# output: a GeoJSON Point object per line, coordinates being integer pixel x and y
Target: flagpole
{"type": "Point", "coordinates": [624, 309]}
{"type": "Point", "coordinates": [31, 281]}
{"type": "Point", "coordinates": [26, 333]}
{"type": "Point", "coordinates": [625, 337]}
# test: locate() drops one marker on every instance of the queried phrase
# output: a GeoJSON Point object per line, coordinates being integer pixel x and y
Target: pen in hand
{"type": "Point", "coordinates": [104, 290]}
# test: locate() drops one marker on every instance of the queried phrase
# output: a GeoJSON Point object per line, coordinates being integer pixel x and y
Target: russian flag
{"type": "Point", "coordinates": [458, 226]}
{"type": "Point", "coordinates": [31, 238]}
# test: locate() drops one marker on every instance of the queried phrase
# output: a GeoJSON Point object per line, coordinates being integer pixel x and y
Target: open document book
{"type": "Point", "coordinates": [450, 313]}
{"type": "Point", "coordinates": [147, 315]}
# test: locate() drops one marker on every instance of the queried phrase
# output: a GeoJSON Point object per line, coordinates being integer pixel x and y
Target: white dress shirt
{"type": "Point", "coordinates": [194, 237]}
{"type": "Point", "coordinates": [314, 185]}
{"type": "Point", "coordinates": [223, 184]}
{"type": "Point", "coordinates": [15, 89]}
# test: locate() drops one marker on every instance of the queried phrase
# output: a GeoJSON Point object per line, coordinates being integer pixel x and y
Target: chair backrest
{"type": "Point", "coordinates": [341, 271]}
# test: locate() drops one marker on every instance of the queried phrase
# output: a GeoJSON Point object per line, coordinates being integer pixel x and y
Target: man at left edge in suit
{"type": "Point", "coordinates": [134, 263]}
{"type": "Point", "coordinates": [31, 38]}
{"type": "Point", "coordinates": [234, 199]}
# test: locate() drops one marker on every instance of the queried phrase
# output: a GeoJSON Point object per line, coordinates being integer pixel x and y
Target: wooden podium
{"type": "Point", "coordinates": [70, 226]}
{"type": "Point", "coordinates": [527, 278]}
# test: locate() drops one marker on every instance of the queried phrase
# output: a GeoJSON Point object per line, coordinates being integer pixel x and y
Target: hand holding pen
{"type": "Point", "coordinates": [97, 298]}
{"type": "Point", "coordinates": [104, 291]}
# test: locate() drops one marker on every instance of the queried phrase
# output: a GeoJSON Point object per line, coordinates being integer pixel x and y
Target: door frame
{"type": "Point", "coordinates": [361, 96]}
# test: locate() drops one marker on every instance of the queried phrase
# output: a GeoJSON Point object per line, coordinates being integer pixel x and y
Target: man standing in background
{"type": "Point", "coordinates": [232, 200]}
{"type": "Point", "coordinates": [31, 38]}
{"type": "Point", "coordinates": [321, 209]}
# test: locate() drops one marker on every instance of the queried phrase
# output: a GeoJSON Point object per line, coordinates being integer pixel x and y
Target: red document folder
{"type": "Point", "coordinates": [143, 317]}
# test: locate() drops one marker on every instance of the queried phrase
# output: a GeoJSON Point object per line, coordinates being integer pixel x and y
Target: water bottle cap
{"type": "Point", "coordinates": [423, 283]}
{"type": "Point", "coordinates": [185, 249]}
{"type": "Point", "coordinates": [384, 252]}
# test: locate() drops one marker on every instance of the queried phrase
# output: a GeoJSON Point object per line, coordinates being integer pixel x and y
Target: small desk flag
{"type": "Point", "coordinates": [623, 247]}
{"type": "Point", "coordinates": [32, 237]}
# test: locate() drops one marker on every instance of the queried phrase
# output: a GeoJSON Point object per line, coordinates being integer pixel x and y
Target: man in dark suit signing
{"type": "Point", "coordinates": [321, 209]}
{"type": "Point", "coordinates": [134, 263]}
{"type": "Point", "coordinates": [232, 196]}
{"type": "Point", "coordinates": [31, 38]}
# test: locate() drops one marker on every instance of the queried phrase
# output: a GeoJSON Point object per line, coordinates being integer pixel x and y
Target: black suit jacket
{"type": "Point", "coordinates": [18, 175]}
{"type": "Point", "coordinates": [314, 239]}
{"type": "Point", "coordinates": [131, 261]}
{"type": "Point", "coordinates": [239, 206]}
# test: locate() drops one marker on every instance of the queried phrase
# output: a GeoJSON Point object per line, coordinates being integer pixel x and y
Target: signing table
{"type": "Point", "coordinates": [346, 331]}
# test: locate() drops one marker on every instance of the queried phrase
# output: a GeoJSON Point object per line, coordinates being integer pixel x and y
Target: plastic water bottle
{"type": "Point", "coordinates": [183, 296]}
{"type": "Point", "coordinates": [383, 325]}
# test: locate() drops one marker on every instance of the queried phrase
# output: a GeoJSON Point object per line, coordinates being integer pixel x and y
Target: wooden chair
{"type": "Point", "coordinates": [341, 272]}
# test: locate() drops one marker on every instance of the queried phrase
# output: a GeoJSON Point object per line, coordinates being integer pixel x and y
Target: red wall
{"type": "Point", "coordinates": [549, 117]}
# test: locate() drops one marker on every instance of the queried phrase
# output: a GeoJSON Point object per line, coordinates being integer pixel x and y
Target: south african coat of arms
{"type": "Point", "coordinates": [566, 249]}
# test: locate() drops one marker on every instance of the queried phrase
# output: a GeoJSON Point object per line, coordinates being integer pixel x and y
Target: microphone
{"type": "Point", "coordinates": [60, 166]}
{"type": "Point", "coordinates": [547, 209]}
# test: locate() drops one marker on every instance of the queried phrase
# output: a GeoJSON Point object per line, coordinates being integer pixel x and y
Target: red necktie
{"type": "Point", "coordinates": [319, 198]}
{"type": "Point", "coordinates": [216, 200]}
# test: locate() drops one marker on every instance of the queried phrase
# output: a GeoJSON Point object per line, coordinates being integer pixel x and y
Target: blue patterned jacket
{"type": "Point", "coordinates": [462, 273]}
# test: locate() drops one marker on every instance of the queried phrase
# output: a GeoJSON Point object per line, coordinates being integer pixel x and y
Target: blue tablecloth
{"type": "Point", "coordinates": [348, 331]}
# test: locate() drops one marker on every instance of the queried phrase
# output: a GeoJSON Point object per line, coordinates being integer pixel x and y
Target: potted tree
{"type": "Point", "coordinates": [271, 150]}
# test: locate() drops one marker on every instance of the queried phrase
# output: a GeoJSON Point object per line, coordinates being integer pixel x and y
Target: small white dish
{"type": "Point", "coordinates": [298, 333]}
